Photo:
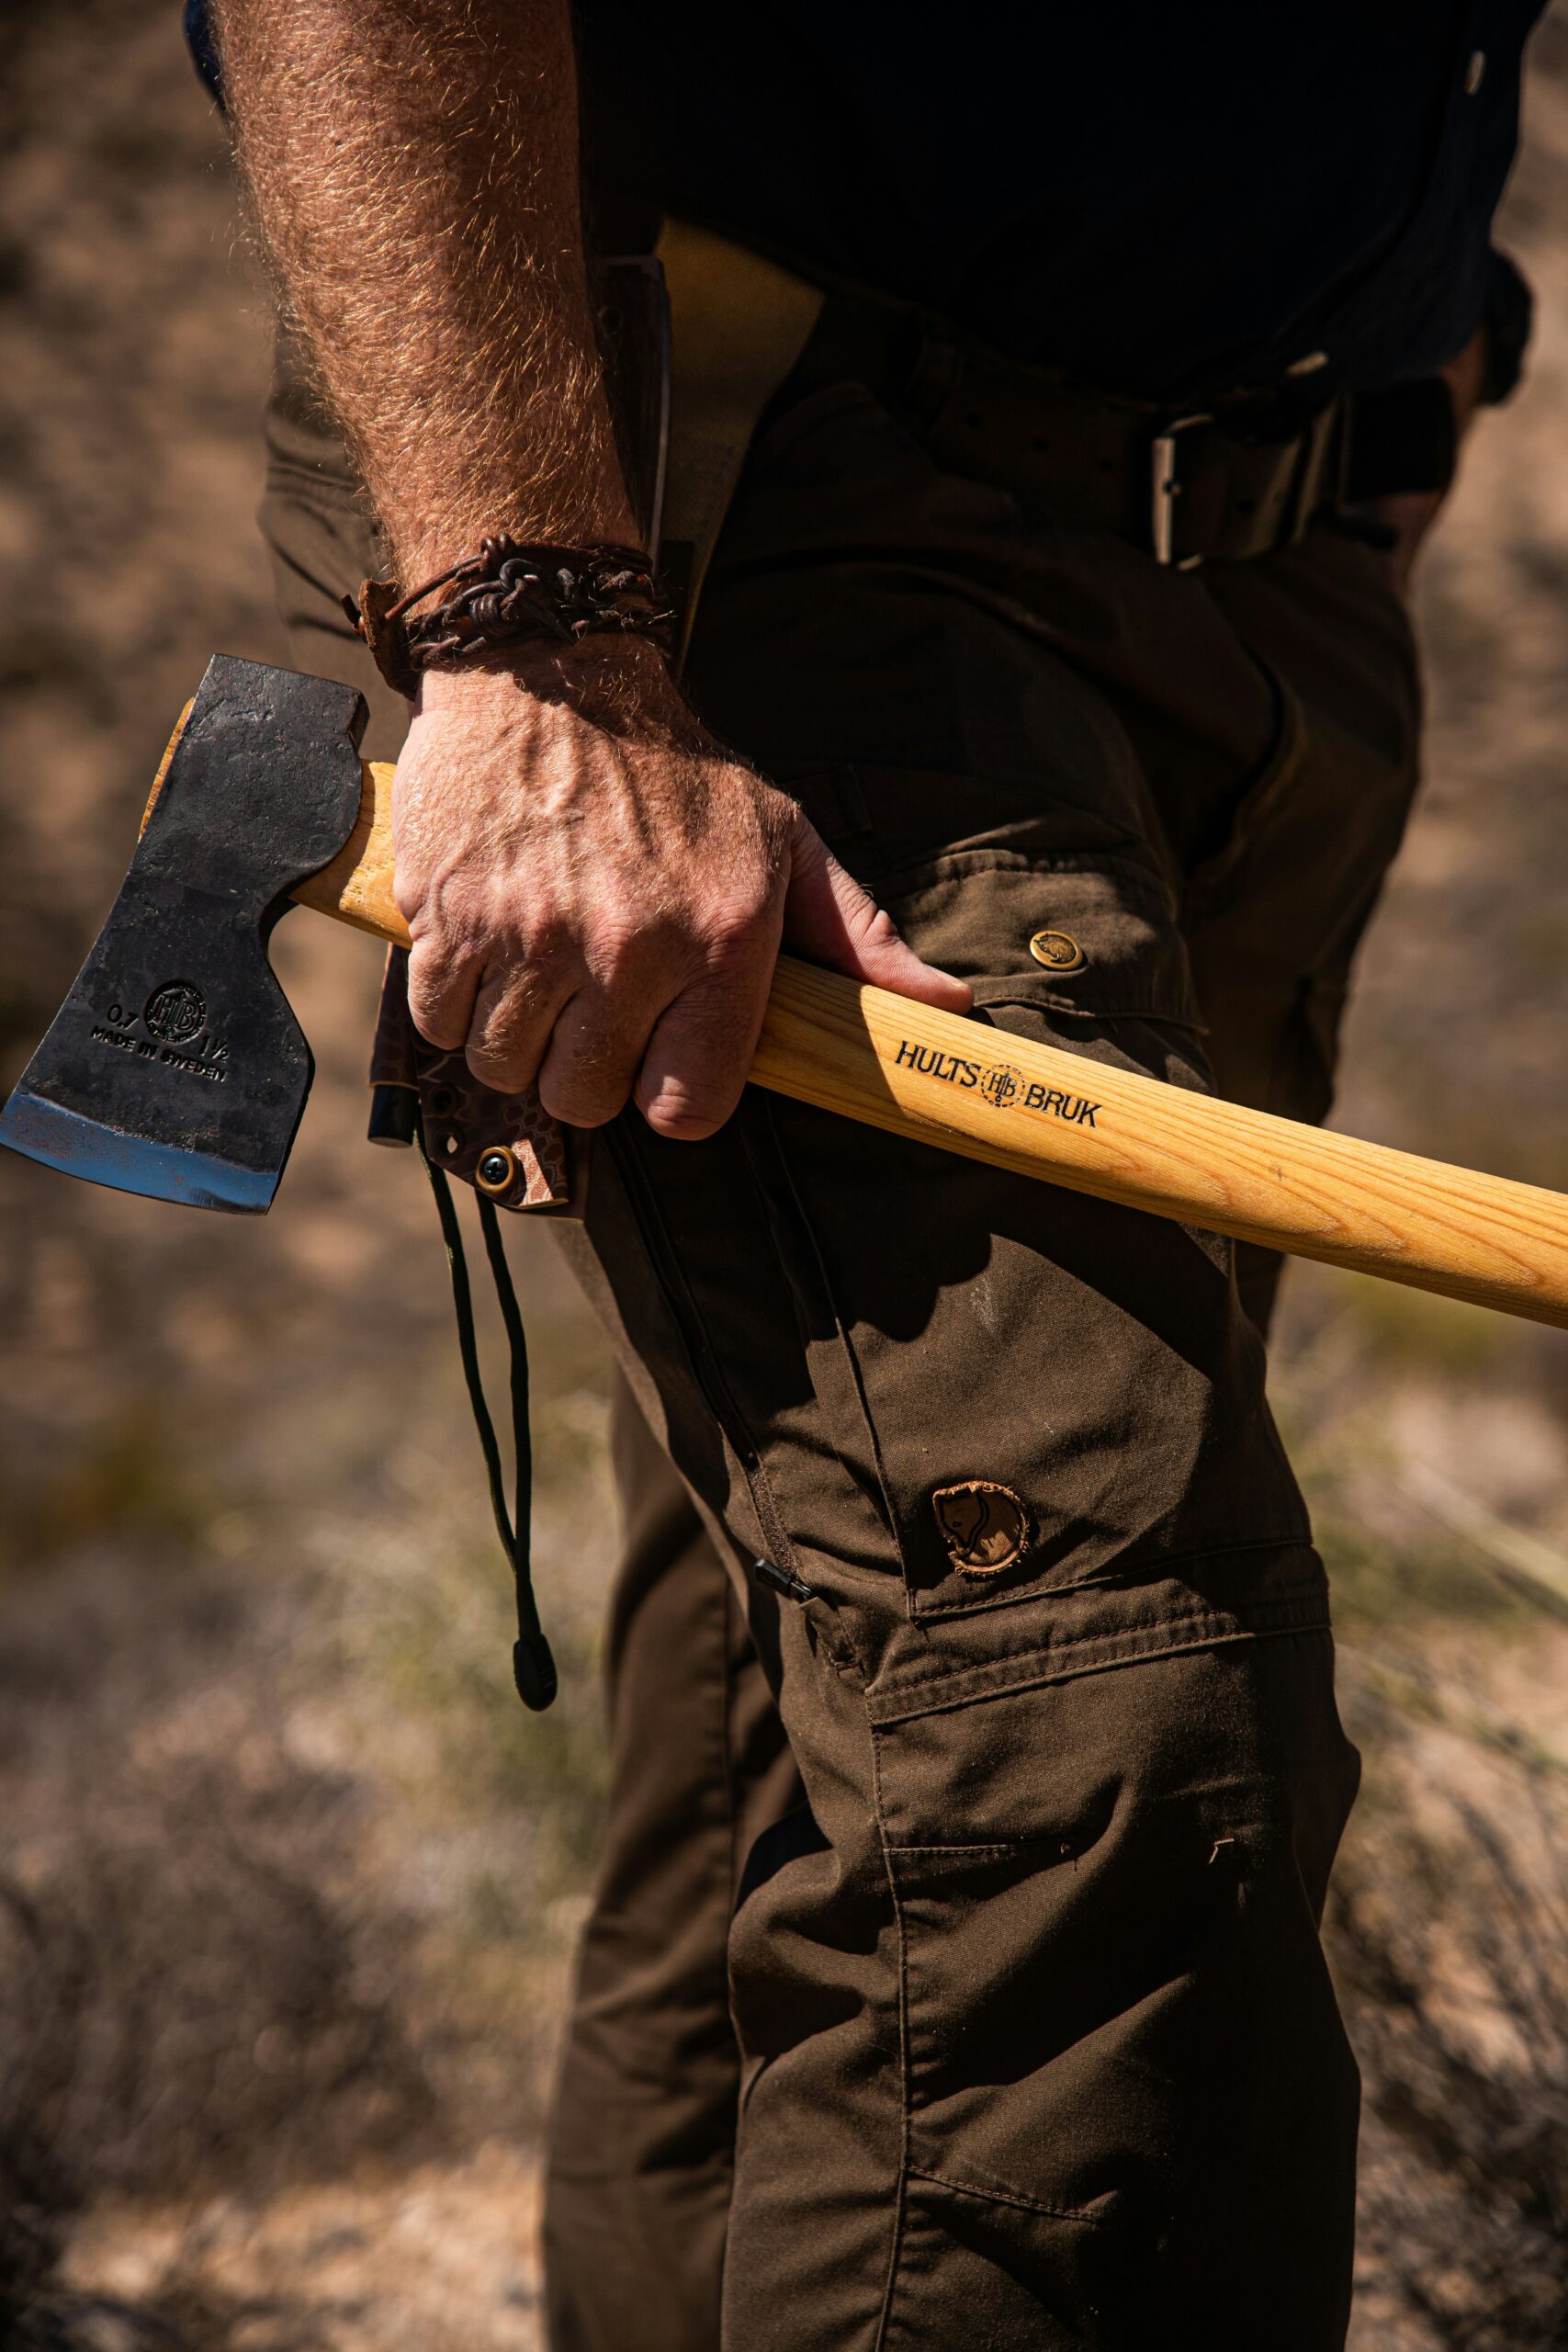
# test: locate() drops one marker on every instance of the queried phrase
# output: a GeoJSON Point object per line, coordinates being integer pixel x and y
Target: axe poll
{"type": "Point", "coordinates": [176, 1068]}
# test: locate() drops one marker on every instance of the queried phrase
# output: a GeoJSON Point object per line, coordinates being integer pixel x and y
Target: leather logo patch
{"type": "Point", "coordinates": [984, 1526]}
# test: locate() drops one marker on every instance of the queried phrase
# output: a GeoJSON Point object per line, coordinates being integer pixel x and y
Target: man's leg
{"type": "Point", "coordinates": [642, 2144]}
{"type": "Point", "coordinates": [1040, 2046]}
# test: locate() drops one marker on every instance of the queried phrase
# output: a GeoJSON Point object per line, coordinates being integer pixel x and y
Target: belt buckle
{"type": "Point", "coordinates": [1165, 489]}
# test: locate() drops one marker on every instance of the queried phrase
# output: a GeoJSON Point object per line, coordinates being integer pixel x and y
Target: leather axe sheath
{"type": "Point", "coordinates": [176, 1070]}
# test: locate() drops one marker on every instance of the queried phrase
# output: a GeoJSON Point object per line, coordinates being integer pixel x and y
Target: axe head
{"type": "Point", "coordinates": [175, 1067]}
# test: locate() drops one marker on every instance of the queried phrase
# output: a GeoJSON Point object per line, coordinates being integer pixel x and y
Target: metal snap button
{"type": "Point", "coordinates": [1058, 951]}
{"type": "Point", "coordinates": [497, 1169]}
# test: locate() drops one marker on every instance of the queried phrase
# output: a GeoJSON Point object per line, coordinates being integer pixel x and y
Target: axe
{"type": "Point", "coordinates": [175, 1069]}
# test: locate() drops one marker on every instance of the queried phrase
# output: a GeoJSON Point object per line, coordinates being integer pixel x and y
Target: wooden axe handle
{"type": "Point", "coordinates": [989, 1095]}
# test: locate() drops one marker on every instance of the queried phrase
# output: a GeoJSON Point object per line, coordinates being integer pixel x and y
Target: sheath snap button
{"type": "Point", "coordinates": [1058, 951]}
{"type": "Point", "coordinates": [496, 1170]}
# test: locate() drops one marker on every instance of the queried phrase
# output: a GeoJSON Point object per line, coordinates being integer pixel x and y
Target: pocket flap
{"type": "Point", "coordinates": [1097, 938]}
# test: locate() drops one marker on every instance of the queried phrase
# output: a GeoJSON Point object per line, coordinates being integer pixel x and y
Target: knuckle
{"type": "Point", "coordinates": [625, 950]}
{"type": "Point", "coordinates": [442, 955]}
{"type": "Point", "coordinates": [588, 1074]}
{"type": "Point", "coordinates": [436, 1012]}
{"type": "Point", "coordinates": [500, 1032]}
{"type": "Point", "coordinates": [521, 999]}
{"type": "Point", "coordinates": [505, 1069]}
{"type": "Point", "coordinates": [579, 1101]}
{"type": "Point", "coordinates": [733, 926]}
{"type": "Point", "coordinates": [448, 1034]}
{"type": "Point", "coordinates": [504, 1037]}
{"type": "Point", "coordinates": [543, 944]}
{"type": "Point", "coordinates": [438, 1029]}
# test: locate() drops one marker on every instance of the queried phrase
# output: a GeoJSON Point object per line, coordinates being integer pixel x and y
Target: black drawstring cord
{"type": "Point", "coordinates": [532, 1667]}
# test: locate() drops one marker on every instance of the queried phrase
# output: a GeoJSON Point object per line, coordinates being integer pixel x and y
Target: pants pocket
{"type": "Point", "coordinates": [1125, 2074]}
{"type": "Point", "coordinates": [1043, 1388]}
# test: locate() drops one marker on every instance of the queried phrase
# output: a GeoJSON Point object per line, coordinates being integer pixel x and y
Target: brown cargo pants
{"type": "Point", "coordinates": [953, 1977]}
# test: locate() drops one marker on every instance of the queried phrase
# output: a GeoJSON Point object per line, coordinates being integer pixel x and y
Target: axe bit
{"type": "Point", "coordinates": [175, 1069]}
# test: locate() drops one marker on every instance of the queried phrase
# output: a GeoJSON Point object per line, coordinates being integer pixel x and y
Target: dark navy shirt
{"type": "Point", "coordinates": [1162, 199]}
{"type": "Point", "coordinates": [1168, 200]}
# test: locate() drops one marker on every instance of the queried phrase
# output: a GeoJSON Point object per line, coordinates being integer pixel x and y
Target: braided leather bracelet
{"type": "Point", "coordinates": [511, 592]}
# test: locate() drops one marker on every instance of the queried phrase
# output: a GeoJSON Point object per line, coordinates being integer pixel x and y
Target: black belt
{"type": "Point", "coordinates": [1187, 484]}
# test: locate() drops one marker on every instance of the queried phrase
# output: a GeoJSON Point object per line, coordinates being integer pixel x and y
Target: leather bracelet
{"type": "Point", "coordinates": [511, 592]}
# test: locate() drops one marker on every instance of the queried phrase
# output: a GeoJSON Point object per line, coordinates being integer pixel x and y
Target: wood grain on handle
{"type": "Point", "coordinates": [989, 1095]}
{"type": "Point", "coordinates": [1160, 1147]}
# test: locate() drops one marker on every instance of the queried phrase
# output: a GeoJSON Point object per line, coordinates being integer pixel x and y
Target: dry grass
{"type": "Point", "coordinates": [1451, 1951]}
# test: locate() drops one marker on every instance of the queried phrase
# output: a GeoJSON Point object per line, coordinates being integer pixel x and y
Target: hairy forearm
{"type": "Point", "coordinates": [594, 888]}
{"type": "Point", "coordinates": [413, 166]}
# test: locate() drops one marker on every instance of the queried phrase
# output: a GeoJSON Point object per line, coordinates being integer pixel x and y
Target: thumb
{"type": "Point", "coordinates": [829, 918]}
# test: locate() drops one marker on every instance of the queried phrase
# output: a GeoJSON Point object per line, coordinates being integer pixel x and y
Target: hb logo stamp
{"type": "Point", "coordinates": [174, 1013]}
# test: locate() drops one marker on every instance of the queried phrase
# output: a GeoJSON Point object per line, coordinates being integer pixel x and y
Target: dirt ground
{"type": "Point", "coordinates": [288, 1884]}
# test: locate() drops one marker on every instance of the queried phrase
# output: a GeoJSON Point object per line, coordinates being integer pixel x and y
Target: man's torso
{"type": "Point", "coordinates": [1166, 202]}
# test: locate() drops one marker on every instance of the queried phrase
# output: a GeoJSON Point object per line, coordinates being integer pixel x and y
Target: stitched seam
{"type": "Point", "coordinates": [1010, 2196]}
{"type": "Point", "coordinates": [1115, 1578]}
{"type": "Point", "coordinates": [906, 2100]}
{"type": "Point", "coordinates": [945, 1696]}
{"type": "Point", "coordinates": [1003, 992]}
{"type": "Point", "coordinates": [924, 872]}
{"type": "Point", "coordinates": [1127, 1640]}
{"type": "Point", "coordinates": [845, 1342]}
{"type": "Point", "coordinates": [945, 1699]}
{"type": "Point", "coordinates": [987, 1846]}
{"type": "Point", "coordinates": [1263, 1607]}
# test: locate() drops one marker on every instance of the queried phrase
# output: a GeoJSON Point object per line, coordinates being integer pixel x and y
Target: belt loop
{"type": "Point", "coordinates": [1316, 454]}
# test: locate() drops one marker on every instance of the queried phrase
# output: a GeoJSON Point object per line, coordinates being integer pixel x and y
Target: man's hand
{"type": "Point", "coordinates": [597, 890]}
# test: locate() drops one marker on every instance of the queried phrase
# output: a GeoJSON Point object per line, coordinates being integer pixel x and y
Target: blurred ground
{"type": "Point", "coordinates": [286, 1881]}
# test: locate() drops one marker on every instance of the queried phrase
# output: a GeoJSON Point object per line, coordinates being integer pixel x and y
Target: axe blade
{"type": "Point", "coordinates": [175, 1067]}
